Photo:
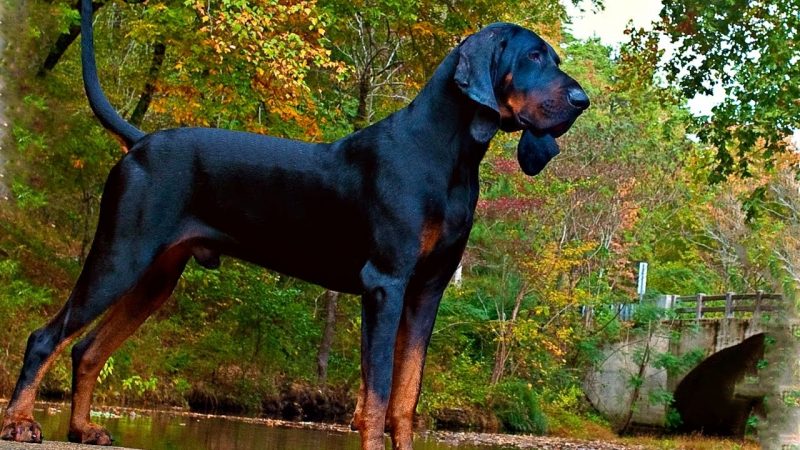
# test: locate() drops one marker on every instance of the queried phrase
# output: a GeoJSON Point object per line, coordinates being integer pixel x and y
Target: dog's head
{"type": "Point", "coordinates": [513, 75]}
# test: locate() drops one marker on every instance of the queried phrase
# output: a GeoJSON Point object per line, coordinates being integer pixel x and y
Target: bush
{"type": "Point", "coordinates": [517, 407]}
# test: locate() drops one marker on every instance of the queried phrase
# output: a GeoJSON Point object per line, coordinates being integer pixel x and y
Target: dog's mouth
{"type": "Point", "coordinates": [537, 146]}
{"type": "Point", "coordinates": [555, 131]}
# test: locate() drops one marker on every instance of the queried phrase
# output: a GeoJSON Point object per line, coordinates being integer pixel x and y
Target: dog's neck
{"type": "Point", "coordinates": [437, 120]}
{"type": "Point", "coordinates": [449, 109]}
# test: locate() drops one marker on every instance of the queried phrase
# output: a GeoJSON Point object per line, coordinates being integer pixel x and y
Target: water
{"type": "Point", "coordinates": [169, 431]}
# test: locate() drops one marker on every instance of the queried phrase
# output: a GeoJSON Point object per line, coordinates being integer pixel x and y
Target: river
{"type": "Point", "coordinates": [159, 430]}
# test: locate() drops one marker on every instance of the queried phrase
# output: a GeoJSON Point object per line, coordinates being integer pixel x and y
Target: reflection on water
{"type": "Point", "coordinates": [166, 431]}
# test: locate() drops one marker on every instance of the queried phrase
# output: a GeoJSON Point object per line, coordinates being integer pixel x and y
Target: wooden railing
{"type": "Point", "coordinates": [726, 306]}
{"type": "Point", "coordinates": [700, 306]}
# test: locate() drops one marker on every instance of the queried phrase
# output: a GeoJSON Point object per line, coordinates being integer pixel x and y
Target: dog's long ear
{"type": "Point", "coordinates": [474, 73]}
{"type": "Point", "coordinates": [534, 152]}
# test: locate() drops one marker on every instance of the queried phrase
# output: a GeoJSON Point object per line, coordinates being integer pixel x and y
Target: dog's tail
{"type": "Point", "coordinates": [106, 113]}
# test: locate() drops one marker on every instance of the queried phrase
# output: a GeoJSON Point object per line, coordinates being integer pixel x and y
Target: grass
{"type": "Point", "coordinates": [568, 425]}
{"type": "Point", "coordinates": [691, 442]}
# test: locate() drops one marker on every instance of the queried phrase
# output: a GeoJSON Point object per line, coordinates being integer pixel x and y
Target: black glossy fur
{"type": "Point", "coordinates": [384, 212]}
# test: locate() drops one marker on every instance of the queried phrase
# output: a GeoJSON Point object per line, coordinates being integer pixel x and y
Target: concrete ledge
{"type": "Point", "coordinates": [52, 445]}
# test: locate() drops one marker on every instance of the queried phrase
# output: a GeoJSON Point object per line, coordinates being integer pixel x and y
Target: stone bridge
{"type": "Point", "coordinates": [701, 364]}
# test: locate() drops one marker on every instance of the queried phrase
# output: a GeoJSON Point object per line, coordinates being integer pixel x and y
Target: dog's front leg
{"type": "Point", "coordinates": [421, 303]}
{"type": "Point", "coordinates": [381, 306]}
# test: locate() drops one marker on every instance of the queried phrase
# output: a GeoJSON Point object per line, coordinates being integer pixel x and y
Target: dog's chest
{"type": "Point", "coordinates": [452, 226]}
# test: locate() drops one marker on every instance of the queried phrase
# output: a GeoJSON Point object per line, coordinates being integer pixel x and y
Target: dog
{"type": "Point", "coordinates": [402, 191]}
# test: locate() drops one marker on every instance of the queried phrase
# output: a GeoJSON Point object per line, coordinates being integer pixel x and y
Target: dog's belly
{"type": "Point", "coordinates": [321, 242]}
{"type": "Point", "coordinates": [328, 264]}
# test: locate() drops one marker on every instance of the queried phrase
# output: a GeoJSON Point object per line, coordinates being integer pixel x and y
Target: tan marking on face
{"type": "Point", "coordinates": [513, 104]}
{"type": "Point", "coordinates": [516, 102]}
{"type": "Point", "coordinates": [431, 232]}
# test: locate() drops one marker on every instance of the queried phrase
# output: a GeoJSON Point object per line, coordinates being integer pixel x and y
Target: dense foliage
{"type": "Point", "coordinates": [629, 186]}
{"type": "Point", "coordinates": [747, 49]}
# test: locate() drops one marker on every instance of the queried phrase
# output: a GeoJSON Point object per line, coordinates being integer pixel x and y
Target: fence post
{"type": "Point", "coordinates": [699, 307]}
{"type": "Point", "coordinates": [757, 309]}
{"type": "Point", "coordinates": [729, 307]}
{"type": "Point", "coordinates": [666, 301]}
{"type": "Point", "coordinates": [588, 316]}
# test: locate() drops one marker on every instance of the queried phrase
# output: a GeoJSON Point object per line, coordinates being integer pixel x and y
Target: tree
{"type": "Point", "coordinates": [66, 37]}
{"type": "Point", "coordinates": [749, 49]}
{"type": "Point", "coordinates": [324, 352]}
{"type": "Point", "coordinates": [371, 47]}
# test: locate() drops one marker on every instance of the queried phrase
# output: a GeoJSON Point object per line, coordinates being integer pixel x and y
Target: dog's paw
{"type": "Point", "coordinates": [21, 430]}
{"type": "Point", "coordinates": [92, 434]}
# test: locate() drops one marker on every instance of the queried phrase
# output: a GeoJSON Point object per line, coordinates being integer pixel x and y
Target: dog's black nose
{"type": "Point", "coordinates": [578, 98]}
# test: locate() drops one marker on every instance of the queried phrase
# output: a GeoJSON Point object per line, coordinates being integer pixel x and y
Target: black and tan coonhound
{"type": "Point", "coordinates": [384, 212]}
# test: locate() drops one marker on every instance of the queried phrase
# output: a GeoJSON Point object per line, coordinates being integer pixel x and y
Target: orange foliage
{"type": "Point", "coordinates": [250, 60]}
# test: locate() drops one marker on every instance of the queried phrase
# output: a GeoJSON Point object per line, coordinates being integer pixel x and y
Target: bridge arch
{"type": "Point", "coordinates": [712, 398]}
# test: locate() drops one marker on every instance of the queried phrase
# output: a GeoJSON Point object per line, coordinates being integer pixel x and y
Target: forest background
{"type": "Point", "coordinates": [711, 203]}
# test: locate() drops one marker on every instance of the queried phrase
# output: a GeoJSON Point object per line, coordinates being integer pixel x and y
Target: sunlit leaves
{"type": "Point", "coordinates": [245, 64]}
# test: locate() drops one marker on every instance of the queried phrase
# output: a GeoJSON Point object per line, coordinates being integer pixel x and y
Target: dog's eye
{"type": "Point", "coordinates": [535, 56]}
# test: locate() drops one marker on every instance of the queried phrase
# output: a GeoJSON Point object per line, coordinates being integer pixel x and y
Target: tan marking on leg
{"type": "Point", "coordinates": [118, 324]}
{"type": "Point", "coordinates": [115, 327]}
{"type": "Point", "coordinates": [19, 414]}
{"type": "Point", "coordinates": [358, 420]}
{"type": "Point", "coordinates": [373, 418]}
{"type": "Point", "coordinates": [409, 361]}
{"type": "Point", "coordinates": [23, 406]}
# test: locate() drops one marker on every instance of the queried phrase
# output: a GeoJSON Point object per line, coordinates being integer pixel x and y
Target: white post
{"type": "Point", "coordinates": [642, 286]}
{"type": "Point", "coordinates": [458, 275]}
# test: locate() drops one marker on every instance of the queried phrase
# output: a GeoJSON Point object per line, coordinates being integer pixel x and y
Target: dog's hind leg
{"type": "Point", "coordinates": [43, 347]}
{"type": "Point", "coordinates": [96, 290]}
{"type": "Point", "coordinates": [120, 256]}
{"type": "Point", "coordinates": [90, 354]}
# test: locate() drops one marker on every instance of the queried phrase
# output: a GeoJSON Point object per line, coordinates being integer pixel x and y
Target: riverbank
{"type": "Point", "coordinates": [51, 445]}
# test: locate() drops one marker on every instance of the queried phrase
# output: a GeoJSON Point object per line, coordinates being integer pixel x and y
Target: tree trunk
{"type": "Point", "coordinates": [63, 41]}
{"type": "Point", "coordinates": [500, 358]}
{"type": "Point", "coordinates": [331, 300]}
{"type": "Point", "coordinates": [159, 50]}
{"type": "Point", "coordinates": [639, 380]}
{"type": "Point", "coordinates": [504, 341]}
{"type": "Point", "coordinates": [362, 114]}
